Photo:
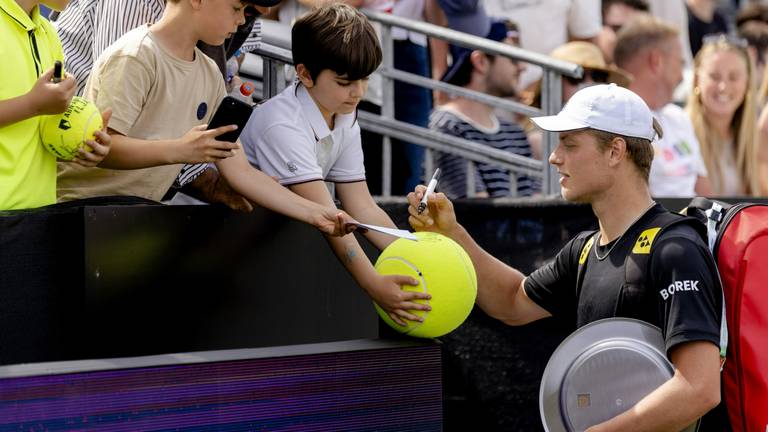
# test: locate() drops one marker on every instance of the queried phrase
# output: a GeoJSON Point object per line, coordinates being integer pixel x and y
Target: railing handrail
{"type": "Point", "coordinates": [476, 42]}
{"type": "Point", "coordinates": [274, 81]}
{"type": "Point", "coordinates": [467, 149]}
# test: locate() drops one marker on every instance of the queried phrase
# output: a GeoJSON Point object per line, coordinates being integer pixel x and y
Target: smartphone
{"type": "Point", "coordinates": [230, 111]}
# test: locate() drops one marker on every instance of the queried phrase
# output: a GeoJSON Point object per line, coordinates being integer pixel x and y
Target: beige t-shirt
{"type": "Point", "coordinates": [153, 96]}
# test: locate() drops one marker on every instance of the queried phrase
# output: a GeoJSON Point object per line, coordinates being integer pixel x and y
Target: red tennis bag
{"type": "Point", "coordinates": [739, 242]}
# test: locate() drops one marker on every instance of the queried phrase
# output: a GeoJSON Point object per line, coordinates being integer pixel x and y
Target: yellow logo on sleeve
{"type": "Point", "coordinates": [644, 242]}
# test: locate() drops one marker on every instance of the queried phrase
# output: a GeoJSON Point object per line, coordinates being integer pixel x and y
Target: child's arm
{"type": "Point", "coordinates": [384, 290]}
{"type": "Point", "coordinates": [45, 97]}
{"type": "Point", "coordinates": [358, 202]}
{"type": "Point", "coordinates": [197, 145]}
{"type": "Point", "coordinates": [266, 192]}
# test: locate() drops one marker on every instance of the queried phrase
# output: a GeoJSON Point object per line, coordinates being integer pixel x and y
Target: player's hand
{"type": "Point", "coordinates": [200, 145]}
{"type": "Point", "coordinates": [438, 217]}
{"type": "Point", "coordinates": [99, 147]}
{"type": "Point", "coordinates": [48, 97]}
{"type": "Point", "coordinates": [386, 291]}
{"type": "Point", "coordinates": [333, 222]}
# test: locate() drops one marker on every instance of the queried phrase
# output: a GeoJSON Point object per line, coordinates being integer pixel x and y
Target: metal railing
{"type": "Point", "coordinates": [274, 59]}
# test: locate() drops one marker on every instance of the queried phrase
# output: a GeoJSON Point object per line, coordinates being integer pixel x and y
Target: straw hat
{"type": "Point", "coordinates": [588, 55]}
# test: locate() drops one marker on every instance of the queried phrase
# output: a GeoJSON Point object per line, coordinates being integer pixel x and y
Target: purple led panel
{"type": "Point", "coordinates": [393, 389]}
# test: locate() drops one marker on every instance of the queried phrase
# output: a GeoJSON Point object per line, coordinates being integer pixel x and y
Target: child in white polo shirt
{"type": "Point", "coordinates": [309, 134]}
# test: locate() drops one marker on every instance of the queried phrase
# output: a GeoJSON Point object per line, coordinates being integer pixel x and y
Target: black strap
{"type": "Point", "coordinates": [584, 240]}
{"type": "Point", "coordinates": [637, 262]}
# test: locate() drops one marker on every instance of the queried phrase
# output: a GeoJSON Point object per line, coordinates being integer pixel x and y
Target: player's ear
{"type": "Point", "coordinates": [302, 73]}
{"type": "Point", "coordinates": [617, 150]}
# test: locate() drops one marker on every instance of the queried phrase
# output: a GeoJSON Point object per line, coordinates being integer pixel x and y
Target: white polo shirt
{"type": "Point", "coordinates": [287, 138]}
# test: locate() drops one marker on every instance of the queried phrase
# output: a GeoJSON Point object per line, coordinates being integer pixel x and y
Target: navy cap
{"type": "Point", "coordinates": [498, 32]}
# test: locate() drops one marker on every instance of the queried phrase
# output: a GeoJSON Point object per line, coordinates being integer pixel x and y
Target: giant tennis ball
{"type": "Point", "coordinates": [443, 270]}
{"type": "Point", "coordinates": [63, 134]}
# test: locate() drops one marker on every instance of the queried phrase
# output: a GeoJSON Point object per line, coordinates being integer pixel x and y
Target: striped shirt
{"type": "Point", "coordinates": [495, 181]}
{"type": "Point", "coordinates": [87, 27]}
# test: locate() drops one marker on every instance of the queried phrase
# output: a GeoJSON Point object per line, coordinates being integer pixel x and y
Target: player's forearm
{"type": "Point", "coordinates": [15, 110]}
{"type": "Point", "coordinates": [673, 406]}
{"type": "Point", "coordinates": [133, 153]}
{"type": "Point", "coordinates": [497, 283]}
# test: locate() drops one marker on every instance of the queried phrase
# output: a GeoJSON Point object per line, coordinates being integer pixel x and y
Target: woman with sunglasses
{"type": "Point", "coordinates": [722, 111]}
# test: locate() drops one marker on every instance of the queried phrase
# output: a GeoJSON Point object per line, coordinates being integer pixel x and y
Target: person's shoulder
{"type": "Point", "coordinates": [445, 118]}
{"type": "Point", "coordinates": [136, 43]}
{"type": "Point", "coordinates": [281, 109]}
{"type": "Point", "coordinates": [673, 111]}
{"type": "Point", "coordinates": [680, 240]}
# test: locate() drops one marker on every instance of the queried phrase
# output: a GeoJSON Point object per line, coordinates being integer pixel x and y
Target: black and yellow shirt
{"type": "Point", "coordinates": [29, 47]}
{"type": "Point", "coordinates": [682, 293]}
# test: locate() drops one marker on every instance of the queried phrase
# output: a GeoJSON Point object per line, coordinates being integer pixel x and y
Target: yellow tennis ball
{"type": "Point", "coordinates": [63, 134]}
{"type": "Point", "coordinates": [443, 270]}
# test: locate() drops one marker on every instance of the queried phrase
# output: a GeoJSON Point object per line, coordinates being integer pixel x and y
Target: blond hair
{"type": "Point", "coordinates": [742, 126]}
{"type": "Point", "coordinates": [643, 31]}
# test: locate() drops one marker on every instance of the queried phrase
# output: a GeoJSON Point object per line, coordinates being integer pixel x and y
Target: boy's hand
{"type": "Point", "coordinates": [48, 97]}
{"type": "Point", "coordinates": [200, 145]}
{"type": "Point", "coordinates": [386, 292]}
{"type": "Point", "coordinates": [333, 222]}
{"type": "Point", "coordinates": [438, 217]}
{"type": "Point", "coordinates": [99, 147]}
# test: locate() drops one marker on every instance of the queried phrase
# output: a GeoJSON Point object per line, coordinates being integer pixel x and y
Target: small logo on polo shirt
{"type": "Point", "coordinates": [292, 166]}
{"type": "Point", "coordinates": [679, 286]}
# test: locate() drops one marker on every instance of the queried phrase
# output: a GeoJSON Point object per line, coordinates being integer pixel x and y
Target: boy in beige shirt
{"type": "Point", "coordinates": [163, 92]}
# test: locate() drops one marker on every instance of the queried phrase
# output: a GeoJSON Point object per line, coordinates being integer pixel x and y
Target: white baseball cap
{"type": "Point", "coordinates": [605, 107]}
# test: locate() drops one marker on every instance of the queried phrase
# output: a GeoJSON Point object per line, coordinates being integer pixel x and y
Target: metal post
{"type": "Point", "coordinates": [268, 78]}
{"type": "Point", "coordinates": [429, 162]}
{"type": "Point", "coordinates": [273, 77]}
{"type": "Point", "coordinates": [471, 184]}
{"type": "Point", "coordinates": [551, 102]}
{"type": "Point", "coordinates": [387, 108]}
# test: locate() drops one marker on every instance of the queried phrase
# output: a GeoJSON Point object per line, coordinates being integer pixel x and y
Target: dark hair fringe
{"type": "Point", "coordinates": [336, 37]}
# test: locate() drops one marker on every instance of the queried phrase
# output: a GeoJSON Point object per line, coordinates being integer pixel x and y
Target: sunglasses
{"type": "Point", "coordinates": [598, 76]}
{"type": "Point", "coordinates": [717, 38]}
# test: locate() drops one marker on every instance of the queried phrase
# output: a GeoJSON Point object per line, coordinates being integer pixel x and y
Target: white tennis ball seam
{"type": "Point", "coordinates": [85, 130]}
{"type": "Point", "coordinates": [423, 289]}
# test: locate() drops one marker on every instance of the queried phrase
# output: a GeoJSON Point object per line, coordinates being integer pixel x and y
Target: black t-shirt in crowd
{"type": "Point", "coordinates": [685, 300]}
{"type": "Point", "coordinates": [697, 28]}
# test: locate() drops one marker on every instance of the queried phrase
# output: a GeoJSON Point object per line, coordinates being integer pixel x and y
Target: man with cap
{"type": "Point", "coordinates": [603, 159]}
{"type": "Point", "coordinates": [477, 122]}
{"type": "Point", "coordinates": [596, 71]}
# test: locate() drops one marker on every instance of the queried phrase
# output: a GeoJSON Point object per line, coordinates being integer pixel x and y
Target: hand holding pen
{"type": "Point", "coordinates": [430, 190]}
{"type": "Point", "coordinates": [436, 216]}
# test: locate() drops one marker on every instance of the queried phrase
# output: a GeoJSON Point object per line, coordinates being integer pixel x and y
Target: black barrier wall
{"type": "Point", "coordinates": [93, 281]}
{"type": "Point", "coordinates": [96, 281]}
